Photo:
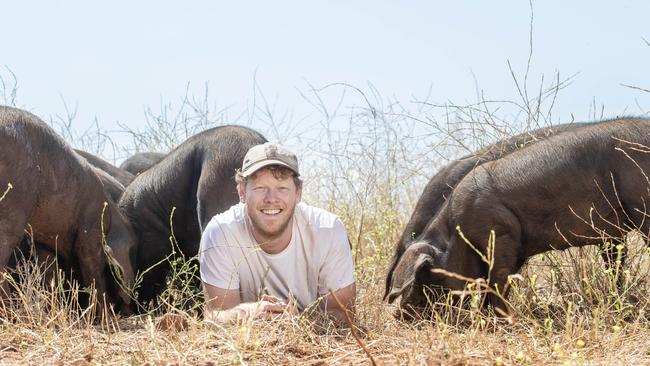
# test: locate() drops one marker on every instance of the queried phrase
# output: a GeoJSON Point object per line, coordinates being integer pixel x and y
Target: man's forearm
{"type": "Point", "coordinates": [339, 304]}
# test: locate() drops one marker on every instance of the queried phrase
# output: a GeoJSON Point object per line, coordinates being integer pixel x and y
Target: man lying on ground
{"type": "Point", "coordinates": [272, 254]}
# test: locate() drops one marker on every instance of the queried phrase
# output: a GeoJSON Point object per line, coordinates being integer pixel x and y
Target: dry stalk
{"type": "Point", "coordinates": [354, 333]}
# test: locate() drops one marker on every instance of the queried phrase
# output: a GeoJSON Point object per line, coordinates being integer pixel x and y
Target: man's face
{"type": "Point", "coordinates": [270, 203]}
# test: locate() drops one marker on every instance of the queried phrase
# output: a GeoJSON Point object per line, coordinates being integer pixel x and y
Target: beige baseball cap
{"type": "Point", "coordinates": [267, 154]}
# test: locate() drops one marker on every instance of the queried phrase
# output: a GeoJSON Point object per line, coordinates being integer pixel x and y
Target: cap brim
{"type": "Point", "coordinates": [259, 165]}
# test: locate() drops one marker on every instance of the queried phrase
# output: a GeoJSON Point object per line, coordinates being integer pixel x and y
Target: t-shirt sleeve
{"type": "Point", "coordinates": [216, 260]}
{"type": "Point", "coordinates": [337, 270]}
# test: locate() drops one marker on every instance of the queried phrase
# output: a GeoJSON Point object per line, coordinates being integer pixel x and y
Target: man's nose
{"type": "Point", "coordinates": [271, 196]}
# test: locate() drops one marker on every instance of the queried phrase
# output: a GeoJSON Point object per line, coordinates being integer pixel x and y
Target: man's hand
{"type": "Point", "coordinates": [270, 307]}
{"type": "Point", "coordinates": [223, 306]}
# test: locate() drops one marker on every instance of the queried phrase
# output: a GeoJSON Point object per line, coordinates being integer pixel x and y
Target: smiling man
{"type": "Point", "coordinates": [272, 254]}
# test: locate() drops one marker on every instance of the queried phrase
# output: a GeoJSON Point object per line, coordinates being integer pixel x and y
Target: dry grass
{"type": "Point", "coordinates": [45, 326]}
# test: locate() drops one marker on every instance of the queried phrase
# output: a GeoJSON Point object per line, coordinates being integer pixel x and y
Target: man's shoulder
{"type": "Point", "coordinates": [316, 217]}
{"type": "Point", "coordinates": [231, 220]}
{"type": "Point", "coordinates": [226, 231]}
{"type": "Point", "coordinates": [234, 215]}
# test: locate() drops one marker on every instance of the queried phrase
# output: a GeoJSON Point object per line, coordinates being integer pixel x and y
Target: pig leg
{"type": "Point", "coordinates": [11, 233]}
{"type": "Point", "coordinates": [153, 263]}
{"type": "Point", "coordinates": [506, 262]}
{"type": "Point", "coordinates": [92, 263]}
{"type": "Point", "coordinates": [152, 283]}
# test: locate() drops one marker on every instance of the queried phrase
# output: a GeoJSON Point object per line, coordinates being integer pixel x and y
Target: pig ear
{"type": "Point", "coordinates": [422, 265]}
{"type": "Point", "coordinates": [415, 262]}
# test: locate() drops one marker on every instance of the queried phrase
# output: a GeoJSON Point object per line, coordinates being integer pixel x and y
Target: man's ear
{"type": "Point", "coordinates": [241, 190]}
{"type": "Point", "coordinates": [299, 194]}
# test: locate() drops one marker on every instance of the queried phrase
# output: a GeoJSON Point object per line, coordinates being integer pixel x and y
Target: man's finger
{"type": "Point", "coordinates": [267, 309]}
{"type": "Point", "coordinates": [270, 316]}
{"type": "Point", "coordinates": [271, 298]}
{"type": "Point", "coordinates": [273, 308]}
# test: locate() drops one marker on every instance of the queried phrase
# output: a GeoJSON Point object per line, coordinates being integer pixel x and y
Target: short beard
{"type": "Point", "coordinates": [266, 235]}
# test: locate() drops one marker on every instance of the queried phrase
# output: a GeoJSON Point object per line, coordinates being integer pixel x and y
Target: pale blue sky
{"type": "Point", "coordinates": [115, 58]}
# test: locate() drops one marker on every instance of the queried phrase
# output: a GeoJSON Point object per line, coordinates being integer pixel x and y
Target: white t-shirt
{"type": "Point", "coordinates": [316, 260]}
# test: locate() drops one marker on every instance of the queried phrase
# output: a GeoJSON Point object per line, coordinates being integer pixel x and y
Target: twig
{"type": "Point", "coordinates": [636, 87]}
{"type": "Point", "coordinates": [9, 188]}
{"type": "Point", "coordinates": [354, 334]}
